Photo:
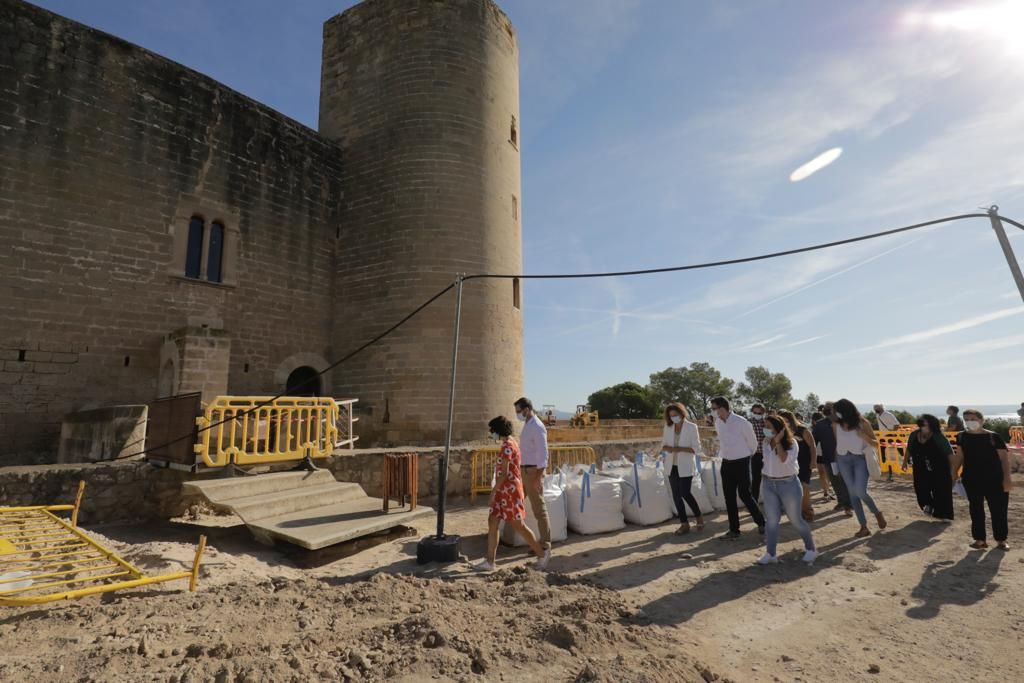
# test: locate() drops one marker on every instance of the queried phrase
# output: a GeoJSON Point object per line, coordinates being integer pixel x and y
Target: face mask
{"type": "Point", "coordinates": [768, 431]}
{"type": "Point", "coordinates": [839, 416]}
{"type": "Point", "coordinates": [758, 416]}
{"type": "Point", "coordinates": [495, 437]}
{"type": "Point", "coordinates": [676, 419]}
{"type": "Point", "coordinates": [973, 424]}
{"type": "Point", "coordinates": [520, 417]}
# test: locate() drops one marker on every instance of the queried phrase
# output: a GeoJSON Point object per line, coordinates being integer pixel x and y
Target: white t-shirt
{"type": "Point", "coordinates": [688, 437]}
{"type": "Point", "coordinates": [773, 465]}
{"type": "Point", "coordinates": [849, 442]}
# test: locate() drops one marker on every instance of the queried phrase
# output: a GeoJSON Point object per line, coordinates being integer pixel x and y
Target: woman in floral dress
{"type": "Point", "coordinates": [508, 500]}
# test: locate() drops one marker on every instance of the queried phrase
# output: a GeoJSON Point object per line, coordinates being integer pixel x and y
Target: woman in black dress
{"type": "Point", "coordinates": [930, 454]}
{"type": "Point", "coordinates": [986, 478]}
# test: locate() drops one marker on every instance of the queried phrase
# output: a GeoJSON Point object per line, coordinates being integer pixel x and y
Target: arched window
{"type": "Point", "coordinates": [194, 251]}
{"type": "Point", "coordinates": [215, 257]}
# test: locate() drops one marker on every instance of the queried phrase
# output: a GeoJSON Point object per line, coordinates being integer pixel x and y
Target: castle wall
{"type": "Point", "coordinates": [423, 96]}
{"type": "Point", "coordinates": [108, 151]}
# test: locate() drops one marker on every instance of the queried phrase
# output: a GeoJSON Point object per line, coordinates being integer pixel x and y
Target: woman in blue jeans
{"type": "Point", "coordinates": [782, 489]}
{"type": "Point", "coordinates": [854, 436]}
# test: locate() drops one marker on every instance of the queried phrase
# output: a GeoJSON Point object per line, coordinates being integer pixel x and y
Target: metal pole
{"type": "Point", "coordinates": [1004, 242]}
{"type": "Point", "coordinates": [442, 476]}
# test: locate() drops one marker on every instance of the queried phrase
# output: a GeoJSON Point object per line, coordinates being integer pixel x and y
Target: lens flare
{"type": "Point", "coordinates": [816, 164]}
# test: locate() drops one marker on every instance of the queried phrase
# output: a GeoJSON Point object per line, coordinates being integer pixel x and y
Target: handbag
{"type": "Point", "coordinates": [871, 458]}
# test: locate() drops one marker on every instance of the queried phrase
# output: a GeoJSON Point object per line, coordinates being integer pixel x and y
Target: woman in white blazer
{"type": "Point", "coordinates": [681, 445]}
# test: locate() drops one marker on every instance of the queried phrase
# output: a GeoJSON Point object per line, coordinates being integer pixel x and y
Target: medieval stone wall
{"type": "Point", "coordinates": [108, 151]}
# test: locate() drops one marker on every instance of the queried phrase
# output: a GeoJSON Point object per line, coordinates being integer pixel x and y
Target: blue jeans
{"type": "Point", "coordinates": [854, 470]}
{"type": "Point", "coordinates": [779, 495]}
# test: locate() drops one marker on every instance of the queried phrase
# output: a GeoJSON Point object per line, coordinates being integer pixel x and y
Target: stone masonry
{"type": "Point", "coordinates": [112, 154]}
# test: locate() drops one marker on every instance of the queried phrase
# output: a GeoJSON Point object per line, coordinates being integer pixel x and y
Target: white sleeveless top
{"type": "Point", "coordinates": [849, 442]}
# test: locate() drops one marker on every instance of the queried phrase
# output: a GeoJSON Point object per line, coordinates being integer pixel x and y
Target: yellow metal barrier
{"type": "Point", "coordinates": [286, 428]}
{"type": "Point", "coordinates": [484, 459]}
{"type": "Point", "coordinates": [892, 447]}
{"type": "Point", "coordinates": [44, 558]}
{"type": "Point", "coordinates": [1017, 437]}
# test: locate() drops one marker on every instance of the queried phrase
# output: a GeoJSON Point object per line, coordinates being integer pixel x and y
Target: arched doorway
{"type": "Point", "coordinates": [303, 381]}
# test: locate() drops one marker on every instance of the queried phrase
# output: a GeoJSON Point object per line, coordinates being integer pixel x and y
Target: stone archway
{"type": "Point", "coordinates": [293, 363]}
{"type": "Point", "coordinates": [303, 381]}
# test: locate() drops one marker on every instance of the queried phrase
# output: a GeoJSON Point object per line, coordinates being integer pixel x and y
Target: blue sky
{"type": "Point", "coordinates": [664, 133]}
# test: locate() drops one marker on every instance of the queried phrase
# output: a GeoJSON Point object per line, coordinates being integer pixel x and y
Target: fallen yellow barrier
{"type": "Point", "coordinates": [44, 558]}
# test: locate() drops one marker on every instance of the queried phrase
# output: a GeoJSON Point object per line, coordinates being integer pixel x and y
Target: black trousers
{"type": "Point", "coordinates": [991, 492]}
{"type": "Point", "coordinates": [933, 485]}
{"type": "Point", "coordinates": [756, 467]}
{"type": "Point", "coordinates": [681, 494]}
{"type": "Point", "coordinates": [736, 481]}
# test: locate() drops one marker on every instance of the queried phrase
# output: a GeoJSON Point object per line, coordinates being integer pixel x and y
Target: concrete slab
{"type": "Point", "coordinates": [320, 527]}
{"type": "Point", "coordinates": [309, 509]}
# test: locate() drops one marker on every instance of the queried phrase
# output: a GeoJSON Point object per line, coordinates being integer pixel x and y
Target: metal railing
{"type": "Point", "coordinates": [484, 459]}
{"type": "Point", "coordinates": [244, 432]}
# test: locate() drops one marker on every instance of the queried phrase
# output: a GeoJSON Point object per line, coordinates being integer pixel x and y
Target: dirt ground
{"type": "Point", "coordinates": [912, 603]}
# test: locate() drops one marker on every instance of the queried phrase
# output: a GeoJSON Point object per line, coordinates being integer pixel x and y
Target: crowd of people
{"type": "Point", "coordinates": [767, 463]}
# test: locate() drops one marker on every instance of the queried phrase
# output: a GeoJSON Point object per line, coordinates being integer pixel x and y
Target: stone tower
{"type": "Point", "coordinates": [423, 97]}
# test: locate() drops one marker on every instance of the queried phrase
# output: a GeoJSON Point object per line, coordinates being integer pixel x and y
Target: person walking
{"type": "Point", "coordinates": [930, 454]}
{"type": "Point", "coordinates": [825, 436]}
{"type": "Point", "coordinates": [782, 489]}
{"type": "Point", "coordinates": [736, 444]}
{"type": "Point", "coordinates": [819, 462]}
{"type": "Point", "coordinates": [508, 498]}
{"type": "Point", "coordinates": [887, 422]}
{"type": "Point", "coordinates": [681, 444]}
{"type": "Point", "coordinates": [757, 412]}
{"type": "Point", "coordinates": [1020, 413]}
{"type": "Point", "coordinates": [807, 447]}
{"type": "Point", "coordinates": [986, 478]}
{"type": "Point", "coordinates": [854, 437]}
{"type": "Point", "coordinates": [534, 443]}
{"type": "Point", "coordinates": [953, 421]}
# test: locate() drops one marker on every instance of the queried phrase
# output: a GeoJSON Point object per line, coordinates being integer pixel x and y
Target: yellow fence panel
{"type": "Point", "coordinates": [484, 460]}
{"type": "Point", "coordinates": [250, 430]}
{"type": "Point", "coordinates": [892, 448]}
{"type": "Point", "coordinates": [1017, 437]}
{"type": "Point", "coordinates": [44, 558]}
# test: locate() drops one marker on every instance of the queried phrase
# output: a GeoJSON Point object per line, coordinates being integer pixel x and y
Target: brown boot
{"type": "Point", "coordinates": [881, 520]}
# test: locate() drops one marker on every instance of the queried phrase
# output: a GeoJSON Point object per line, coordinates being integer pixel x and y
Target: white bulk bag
{"type": "Point", "coordinates": [554, 497]}
{"type": "Point", "coordinates": [711, 479]}
{"type": "Point", "coordinates": [699, 494]}
{"type": "Point", "coordinates": [644, 484]}
{"type": "Point", "coordinates": [594, 502]}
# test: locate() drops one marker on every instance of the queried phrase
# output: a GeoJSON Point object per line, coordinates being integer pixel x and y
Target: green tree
{"type": "Point", "coordinates": [627, 401]}
{"type": "Point", "coordinates": [693, 386]}
{"type": "Point", "coordinates": [809, 405]}
{"type": "Point", "coordinates": [772, 389]}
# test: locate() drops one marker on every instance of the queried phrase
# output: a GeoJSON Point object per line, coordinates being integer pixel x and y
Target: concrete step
{"type": "Point", "coordinates": [309, 509]}
{"type": "Point", "coordinates": [259, 506]}
{"type": "Point", "coordinates": [220, 491]}
{"type": "Point", "coordinates": [320, 527]}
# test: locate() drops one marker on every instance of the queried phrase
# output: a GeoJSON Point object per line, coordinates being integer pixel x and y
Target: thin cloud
{"type": "Point", "coordinates": [763, 342]}
{"type": "Point", "coordinates": [816, 164]}
{"type": "Point", "coordinates": [803, 341]}
{"type": "Point", "coordinates": [946, 329]}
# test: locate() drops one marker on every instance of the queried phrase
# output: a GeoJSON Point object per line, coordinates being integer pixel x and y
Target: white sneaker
{"type": "Point", "coordinates": [484, 566]}
{"type": "Point", "coordinates": [810, 556]}
{"type": "Point", "coordinates": [542, 563]}
{"type": "Point", "coordinates": [768, 559]}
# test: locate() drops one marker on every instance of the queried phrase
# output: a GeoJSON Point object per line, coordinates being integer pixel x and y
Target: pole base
{"type": "Point", "coordinates": [438, 549]}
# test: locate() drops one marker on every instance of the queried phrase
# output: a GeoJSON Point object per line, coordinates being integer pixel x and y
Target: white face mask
{"type": "Point", "coordinates": [676, 419]}
{"type": "Point", "coordinates": [520, 417]}
{"type": "Point", "coordinates": [757, 416]}
{"type": "Point", "coordinates": [973, 424]}
{"type": "Point", "coordinates": [768, 431]}
{"type": "Point", "coordinates": [839, 416]}
{"type": "Point", "coordinates": [495, 436]}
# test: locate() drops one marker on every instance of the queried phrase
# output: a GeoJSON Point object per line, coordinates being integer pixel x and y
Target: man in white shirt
{"type": "Point", "coordinates": [736, 445]}
{"type": "Point", "coordinates": [533, 444]}
{"type": "Point", "coordinates": [886, 420]}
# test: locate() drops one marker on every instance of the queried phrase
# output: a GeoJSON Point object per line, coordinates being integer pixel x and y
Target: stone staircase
{"type": "Point", "coordinates": [308, 509]}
